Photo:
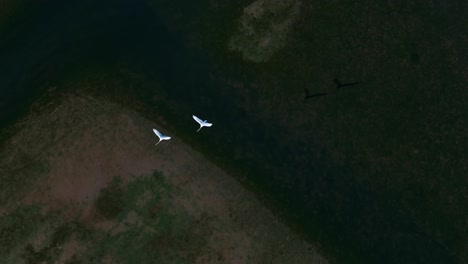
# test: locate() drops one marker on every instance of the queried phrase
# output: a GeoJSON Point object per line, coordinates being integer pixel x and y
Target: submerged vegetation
{"type": "Point", "coordinates": [263, 28]}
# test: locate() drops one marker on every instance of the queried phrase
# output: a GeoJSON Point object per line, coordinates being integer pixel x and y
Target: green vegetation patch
{"type": "Point", "coordinates": [16, 227]}
{"type": "Point", "coordinates": [145, 228]}
{"type": "Point", "coordinates": [110, 200]}
{"type": "Point", "coordinates": [15, 176]}
{"type": "Point", "coordinates": [28, 236]}
{"type": "Point", "coordinates": [148, 227]}
{"type": "Point", "coordinates": [51, 250]}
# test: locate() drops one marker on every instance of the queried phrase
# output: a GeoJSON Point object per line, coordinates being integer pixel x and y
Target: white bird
{"type": "Point", "coordinates": [201, 122]}
{"type": "Point", "coordinates": [160, 135]}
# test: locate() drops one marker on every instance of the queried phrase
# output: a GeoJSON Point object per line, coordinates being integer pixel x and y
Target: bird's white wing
{"type": "Point", "coordinates": [159, 134]}
{"type": "Point", "coordinates": [207, 124]}
{"type": "Point", "coordinates": [198, 120]}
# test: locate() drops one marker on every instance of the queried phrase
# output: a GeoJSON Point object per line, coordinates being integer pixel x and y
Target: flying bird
{"type": "Point", "coordinates": [340, 85]}
{"type": "Point", "coordinates": [160, 135]}
{"type": "Point", "coordinates": [308, 95]}
{"type": "Point", "coordinates": [201, 122]}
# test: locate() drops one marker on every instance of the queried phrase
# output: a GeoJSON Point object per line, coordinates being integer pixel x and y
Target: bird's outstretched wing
{"type": "Point", "coordinates": [207, 124]}
{"type": "Point", "coordinates": [159, 134]}
{"type": "Point", "coordinates": [197, 119]}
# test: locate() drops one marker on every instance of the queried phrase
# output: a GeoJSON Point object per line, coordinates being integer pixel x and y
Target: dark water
{"type": "Point", "coordinates": [58, 37]}
{"type": "Point", "coordinates": [53, 38]}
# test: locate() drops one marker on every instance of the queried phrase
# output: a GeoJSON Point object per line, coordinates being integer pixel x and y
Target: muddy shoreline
{"type": "Point", "coordinates": [81, 145]}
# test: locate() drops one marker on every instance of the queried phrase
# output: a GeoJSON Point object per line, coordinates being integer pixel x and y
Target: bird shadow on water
{"type": "Point", "coordinates": [311, 187]}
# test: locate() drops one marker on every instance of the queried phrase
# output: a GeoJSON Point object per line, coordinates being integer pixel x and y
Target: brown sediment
{"type": "Point", "coordinates": [85, 143]}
